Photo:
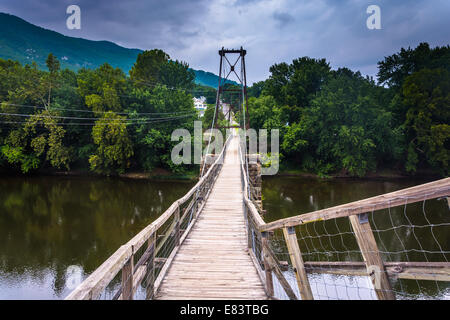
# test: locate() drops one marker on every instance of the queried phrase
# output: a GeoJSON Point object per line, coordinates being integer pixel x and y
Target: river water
{"type": "Point", "coordinates": [50, 225]}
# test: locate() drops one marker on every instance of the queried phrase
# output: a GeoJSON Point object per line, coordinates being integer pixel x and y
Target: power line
{"type": "Point", "coordinates": [100, 122]}
{"type": "Point", "coordinates": [102, 112]}
{"type": "Point", "coordinates": [77, 118]}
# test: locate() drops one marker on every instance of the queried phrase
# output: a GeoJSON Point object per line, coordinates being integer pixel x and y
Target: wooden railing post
{"type": "Point", "coordinates": [267, 268]}
{"type": "Point", "coordinates": [127, 278]}
{"type": "Point", "coordinates": [369, 250]}
{"type": "Point", "coordinates": [274, 265]}
{"type": "Point", "coordinates": [297, 262]}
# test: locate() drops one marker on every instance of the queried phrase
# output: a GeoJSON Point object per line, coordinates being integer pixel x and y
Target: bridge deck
{"type": "Point", "coordinates": [213, 262]}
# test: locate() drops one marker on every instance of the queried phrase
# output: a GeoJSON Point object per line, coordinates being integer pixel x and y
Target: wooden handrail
{"type": "Point", "coordinates": [436, 189]}
{"type": "Point", "coordinates": [92, 286]}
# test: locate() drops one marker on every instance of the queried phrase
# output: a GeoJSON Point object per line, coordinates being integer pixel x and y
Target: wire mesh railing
{"type": "Point", "coordinates": [399, 249]}
{"type": "Point", "coordinates": [393, 246]}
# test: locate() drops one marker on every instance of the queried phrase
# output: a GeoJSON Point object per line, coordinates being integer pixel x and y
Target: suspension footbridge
{"type": "Point", "coordinates": [213, 243]}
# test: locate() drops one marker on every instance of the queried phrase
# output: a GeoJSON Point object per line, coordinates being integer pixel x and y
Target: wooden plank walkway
{"type": "Point", "coordinates": [213, 262]}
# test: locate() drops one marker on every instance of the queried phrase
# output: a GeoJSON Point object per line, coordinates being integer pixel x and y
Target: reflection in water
{"type": "Point", "coordinates": [48, 224]}
{"type": "Point", "coordinates": [412, 232]}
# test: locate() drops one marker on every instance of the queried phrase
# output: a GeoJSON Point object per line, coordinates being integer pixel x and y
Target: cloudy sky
{"type": "Point", "coordinates": [272, 31]}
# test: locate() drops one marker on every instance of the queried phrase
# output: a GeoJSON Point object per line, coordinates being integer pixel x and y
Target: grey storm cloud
{"type": "Point", "coordinates": [283, 18]}
{"type": "Point", "coordinates": [272, 31]}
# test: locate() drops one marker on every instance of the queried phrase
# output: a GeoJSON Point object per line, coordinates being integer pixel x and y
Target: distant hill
{"type": "Point", "coordinates": [208, 78]}
{"type": "Point", "coordinates": [25, 42]}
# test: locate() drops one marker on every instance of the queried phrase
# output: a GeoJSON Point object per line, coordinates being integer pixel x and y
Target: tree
{"type": "Point", "coordinates": [53, 68]}
{"type": "Point", "coordinates": [426, 97]}
{"type": "Point", "coordinates": [209, 117]}
{"type": "Point", "coordinates": [295, 85]}
{"type": "Point", "coordinates": [40, 140]}
{"type": "Point", "coordinates": [176, 74]}
{"type": "Point", "coordinates": [148, 66]}
{"type": "Point", "coordinates": [265, 113]}
{"type": "Point", "coordinates": [102, 88]}
{"type": "Point", "coordinates": [344, 129]}
{"type": "Point", "coordinates": [114, 147]}
{"type": "Point", "coordinates": [152, 139]}
{"type": "Point", "coordinates": [394, 69]}
{"type": "Point", "coordinates": [94, 81]}
{"type": "Point", "coordinates": [256, 89]}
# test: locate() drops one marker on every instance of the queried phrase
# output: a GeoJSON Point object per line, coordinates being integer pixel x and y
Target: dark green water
{"type": "Point", "coordinates": [51, 224]}
{"type": "Point", "coordinates": [412, 232]}
{"type": "Point", "coordinates": [48, 224]}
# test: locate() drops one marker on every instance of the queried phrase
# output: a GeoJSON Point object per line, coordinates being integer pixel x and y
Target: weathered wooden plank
{"type": "Point", "coordinates": [369, 250]}
{"type": "Point", "coordinates": [200, 274]}
{"type": "Point", "coordinates": [267, 267]}
{"type": "Point", "coordinates": [211, 296]}
{"type": "Point", "coordinates": [297, 261]}
{"type": "Point", "coordinates": [127, 280]}
{"type": "Point", "coordinates": [277, 271]}
{"type": "Point", "coordinates": [436, 271]}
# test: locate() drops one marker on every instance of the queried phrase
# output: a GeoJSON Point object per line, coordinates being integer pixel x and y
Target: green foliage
{"type": "Point", "coordinates": [345, 126]}
{"type": "Point", "coordinates": [40, 140]}
{"type": "Point", "coordinates": [114, 147]}
{"type": "Point", "coordinates": [295, 85]}
{"type": "Point", "coordinates": [81, 127]}
{"type": "Point", "coordinates": [52, 64]}
{"type": "Point", "coordinates": [336, 121]}
{"type": "Point", "coordinates": [265, 113]}
{"type": "Point", "coordinates": [49, 140]}
{"type": "Point", "coordinates": [426, 97]}
{"type": "Point", "coordinates": [292, 141]}
{"type": "Point", "coordinates": [330, 121]}
{"type": "Point", "coordinates": [394, 69]}
{"type": "Point", "coordinates": [208, 117]}
{"type": "Point", "coordinates": [16, 156]}
{"type": "Point", "coordinates": [256, 89]}
{"type": "Point", "coordinates": [177, 74]}
{"type": "Point", "coordinates": [155, 67]}
{"type": "Point", "coordinates": [147, 68]}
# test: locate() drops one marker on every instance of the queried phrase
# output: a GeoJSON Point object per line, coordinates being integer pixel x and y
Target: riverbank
{"type": "Point", "coordinates": [381, 174]}
{"type": "Point", "coordinates": [156, 174]}
{"type": "Point", "coordinates": [192, 175]}
{"type": "Point", "coordinates": [160, 174]}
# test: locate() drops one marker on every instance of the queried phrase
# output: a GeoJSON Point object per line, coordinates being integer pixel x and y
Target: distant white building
{"type": "Point", "coordinates": [200, 105]}
{"type": "Point", "coordinates": [225, 107]}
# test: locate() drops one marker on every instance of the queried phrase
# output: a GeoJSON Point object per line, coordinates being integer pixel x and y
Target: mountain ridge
{"type": "Point", "coordinates": [25, 42]}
